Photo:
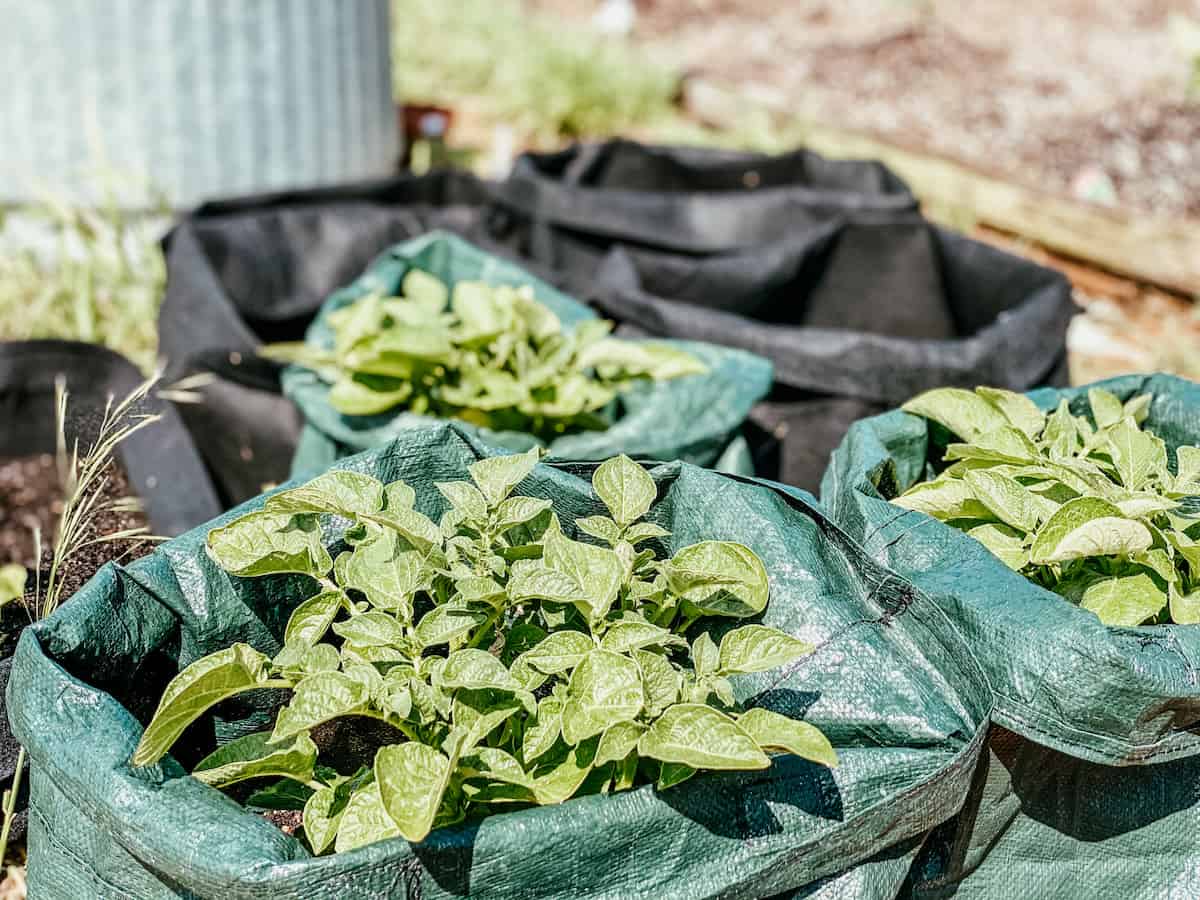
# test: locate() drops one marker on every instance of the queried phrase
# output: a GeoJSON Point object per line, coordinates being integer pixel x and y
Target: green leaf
{"type": "Point", "coordinates": [479, 712]}
{"type": "Point", "coordinates": [672, 774]}
{"type": "Point", "coordinates": [701, 737]}
{"type": "Point", "coordinates": [497, 476]}
{"type": "Point", "coordinates": [519, 510]}
{"type": "Point", "coordinates": [322, 816]}
{"type": "Point", "coordinates": [567, 775]}
{"type": "Point", "coordinates": [412, 780]}
{"type": "Point", "coordinates": [1020, 411]}
{"type": "Point", "coordinates": [1004, 445]}
{"type": "Point", "coordinates": [559, 652]}
{"type": "Point", "coordinates": [254, 756]}
{"type": "Point", "coordinates": [1007, 500]}
{"type": "Point", "coordinates": [1006, 544]}
{"type": "Point", "coordinates": [398, 495]}
{"type": "Point", "coordinates": [386, 574]}
{"type": "Point", "coordinates": [465, 498]}
{"type": "Point", "coordinates": [634, 634]}
{"type": "Point", "coordinates": [962, 412]}
{"type": "Point", "coordinates": [12, 582]}
{"type": "Point", "coordinates": [497, 765]}
{"type": "Point", "coordinates": [199, 687]}
{"type": "Point", "coordinates": [282, 794]}
{"type": "Point", "coordinates": [365, 820]}
{"type": "Point", "coordinates": [597, 570]}
{"type": "Point", "coordinates": [660, 680]}
{"type": "Point", "coordinates": [605, 688]}
{"type": "Point", "coordinates": [411, 525]}
{"type": "Point", "coordinates": [1106, 408]}
{"type": "Point", "coordinates": [425, 290]}
{"type": "Point", "coordinates": [535, 581]}
{"type": "Point", "coordinates": [1088, 526]}
{"type": "Point", "coordinates": [625, 488]}
{"type": "Point", "coordinates": [266, 543]}
{"type": "Point", "coordinates": [722, 578]}
{"type": "Point", "coordinates": [1144, 504]}
{"type": "Point", "coordinates": [1124, 601]}
{"type": "Point", "coordinates": [601, 527]}
{"type": "Point", "coordinates": [644, 531]}
{"type": "Point", "coordinates": [1061, 432]}
{"type": "Point", "coordinates": [1185, 608]}
{"type": "Point", "coordinates": [370, 629]}
{"type": "Point", "coordinates": [311, 619]}
{"type": "Point", "coordinates": [705, 655]}
{"type": "Point", "coordinates": [757, 648]}
{"type": "Point", "coordinates": [1138, 456]}
{"type": "Point", "coordinates": [542, 731]}
{"type": "Point", "coordinates": [363, 394]}
{"type": "Point", "coordinates": [618, 741]}
{"type": "Point", "coordinates": [479, 589]}
{"type": "Point", "coordinates": [298, 659]}
{"type": "Point", "coordinates": [772, 731]}
{"type": "Point", "coordinates": [445, 623]}
{"type": "Point", "coordinates": [944, 499]}
{"type": "Point", "coordinates": [319, 698]}
{"type": "Point", "coordinates": [1138, 408]}
{"type": "Point", "coordinates": [475, 669]}
{"type": "Point", "coordinates": [1188, 460]}
{"type": "Point", "coordinates": [347, 494]}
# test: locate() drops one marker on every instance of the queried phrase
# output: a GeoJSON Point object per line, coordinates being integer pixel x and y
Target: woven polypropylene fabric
{"type": "Point", "coordinates": [890, 683]}
{"type": "Point", "coordinates": [1090, 785]}
{"type": "Point", "coordinates": [692, 419]}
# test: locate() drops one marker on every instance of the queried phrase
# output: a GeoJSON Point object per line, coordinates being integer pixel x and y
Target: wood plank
{"type": "Point", "coordinates": [1159, 251]}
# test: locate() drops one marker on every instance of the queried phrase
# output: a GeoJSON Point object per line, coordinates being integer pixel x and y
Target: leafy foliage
{"type": "Point", "coordinates": [494, 357]}
{"type": "Point", "coordinates": [515, 664]}
{"type": "Point", "coordinates": [12, 582]}
{"type": "Point", "coordinates": [1086, 508]}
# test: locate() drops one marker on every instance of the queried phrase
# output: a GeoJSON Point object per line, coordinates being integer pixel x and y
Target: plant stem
{"type": "Point", "coordinates": [10, 805]}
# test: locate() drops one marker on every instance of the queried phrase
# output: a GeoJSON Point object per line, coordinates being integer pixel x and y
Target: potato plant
{"type": "Point", "coordinates": [514, 664]}
{"type": "Point", "coordinates": [1088, 509]}
{"type": "Point", "coordinates": [489, 355]}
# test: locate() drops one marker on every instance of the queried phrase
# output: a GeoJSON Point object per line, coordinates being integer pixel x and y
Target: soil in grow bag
{"type": "Point", "coordinates": [251, 270]}
{"type": "Point", "coordinates": [856, 318]}
{"type": "Point", "coordinates": [157, 465]}
{"type": "Point", "coordinates": [888, 682]}
{"type": "Point", "coordinates": [1088, 787]}
{"type": "Point", "coordinates": [566, 209]}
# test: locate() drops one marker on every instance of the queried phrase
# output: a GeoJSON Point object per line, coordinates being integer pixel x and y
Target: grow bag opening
{"type": "Point", "coordinates": [856, 317]}
{"type": "Point", "coordinates": [566, 210]}
{"type": "Point", "coordinates": [627, 165]}
{"type": "Point", "coordinates": [245, 271]}
{"type": "Point", "coordinates": [693, 418]}
{"type": "Point", "coordinates": [884, 648]}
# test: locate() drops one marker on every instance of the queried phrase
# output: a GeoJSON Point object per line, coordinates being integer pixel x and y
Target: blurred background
{"type": "Point", "coordinates": [1067, 134]}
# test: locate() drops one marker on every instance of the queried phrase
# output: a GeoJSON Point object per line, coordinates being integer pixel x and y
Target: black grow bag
{"type": "Point", "coordinates": [246, 271]}
{"type": "Point", "coordinates": [566, 209]}
{"type": "Point", "coordinates": [857, 317]}
{"type": "Point", "coordinates": [161, 461]}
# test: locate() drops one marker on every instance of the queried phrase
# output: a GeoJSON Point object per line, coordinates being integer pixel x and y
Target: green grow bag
{"type": "Point", "coordinates": [693, 419]}
{"type": "Point", "coordinates": [890, 683]}
{"type": "Point", "coordinates": [1091, 783]}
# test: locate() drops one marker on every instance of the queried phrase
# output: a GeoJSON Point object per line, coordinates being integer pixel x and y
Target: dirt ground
{"type": "Point", "coordinates": [1082, 97]}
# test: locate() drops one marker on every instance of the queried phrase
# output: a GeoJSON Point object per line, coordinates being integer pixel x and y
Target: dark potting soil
{"type": "Point", "coordinates": [30, 498]}
{"type": "Point", "coordinates": [286, 820]}
{"type": "Point", "coordinates": [30, 495]}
